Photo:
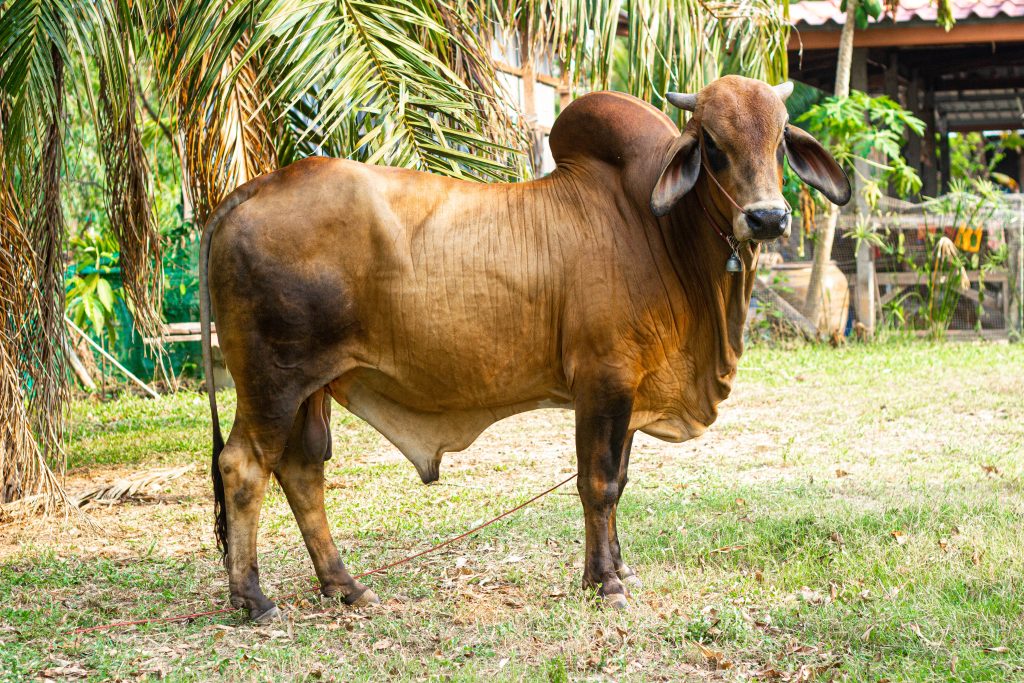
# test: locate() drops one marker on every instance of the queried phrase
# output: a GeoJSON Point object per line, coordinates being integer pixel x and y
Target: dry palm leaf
{"type": "Point", "coordinates": [129, 487]}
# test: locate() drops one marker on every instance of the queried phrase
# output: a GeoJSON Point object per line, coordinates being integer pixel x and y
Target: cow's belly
{"type": "Point", "coordinates": [424, 436]}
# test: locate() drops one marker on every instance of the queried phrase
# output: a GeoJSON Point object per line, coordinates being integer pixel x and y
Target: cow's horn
{"type": "Point", "coordinates": [784, 90]}
{"type": "Point", "coordinates": [684, 101]}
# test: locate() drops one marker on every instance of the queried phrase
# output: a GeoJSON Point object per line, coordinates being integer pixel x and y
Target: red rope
{"type": "Point", "coordinates": [378, 570]}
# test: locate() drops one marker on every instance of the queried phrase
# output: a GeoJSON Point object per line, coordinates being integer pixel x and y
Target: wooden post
{"type": "Point", "coordinates": [892, 77]}
{"type": "Point", "coordinates": [564, 91]}
{"type": "Point", "coordinates": [864, 282]}
{"type": "Point", "coordinates": [930, 185]}
{"type": "Point", "coordinates": [864, 285]}
{"type": "Point", "coordinates": [859, 69]}
{"type": "Point", "coordinates": [913, 151]}
{"type": "Point", "coordinates": [865, 300]}
{"type": "Point", "coordinates": [946, 163]}
{"type": "Point", "coordinates": [530, 98]}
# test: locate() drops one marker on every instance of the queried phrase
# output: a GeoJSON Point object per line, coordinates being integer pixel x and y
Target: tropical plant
{"type": "Point", "coordinates": [242, 86]}
{"type": "Point", "coordinates": [940, 264]}
{"type": "Point", "coordinates": [92, 292]}
{"type": "Point", "coordinates": [871, 130]}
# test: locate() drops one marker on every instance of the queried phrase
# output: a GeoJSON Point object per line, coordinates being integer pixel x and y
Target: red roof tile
{"type": "Point", "coordinates": [819, 12]}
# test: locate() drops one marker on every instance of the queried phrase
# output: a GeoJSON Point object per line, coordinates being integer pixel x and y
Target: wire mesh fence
{"type": "Point", "coordinates": [949, 266]}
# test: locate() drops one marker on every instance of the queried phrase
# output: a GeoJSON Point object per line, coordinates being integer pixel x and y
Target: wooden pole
{"type": "Point", "coordinates": [767, 295]}
{"type": "Point", "coordinates": [913, 151]}
{"type": "Point", "coordinates": [529, 79]}
{"type": "Point", "coordinates": [113, 360]}
{"type": "Point", "coordinates": [930, 187]}
{"type": "Point", "coordinates": [79, 367]}
{"type": "Point", "coordinates": [944, 146]}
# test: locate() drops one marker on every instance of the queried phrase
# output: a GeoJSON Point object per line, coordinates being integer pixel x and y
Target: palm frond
{"type": "Point", "coordinates": [32, 388]}
{"type": "Point", "coordinates": [127, 176]}
{"type": "Point", "coordinates": [226, 138]}
{"type": "Point", "coordinates": [669, 45]}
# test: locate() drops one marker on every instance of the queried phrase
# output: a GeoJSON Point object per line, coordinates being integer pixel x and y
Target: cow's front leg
{"type": "Point", "coordinates": [602, 425]}
{"type": "Point", "coordinates": [625, 573]}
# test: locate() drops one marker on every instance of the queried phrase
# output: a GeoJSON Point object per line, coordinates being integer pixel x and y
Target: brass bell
{"type": "Point", "coordinates": [734, 264]}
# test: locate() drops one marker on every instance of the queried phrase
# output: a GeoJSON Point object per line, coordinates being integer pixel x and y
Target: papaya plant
{"type": "Point", "coordinates": [864, 9]}
{"type": "Point", "coordinates": [871, 129]}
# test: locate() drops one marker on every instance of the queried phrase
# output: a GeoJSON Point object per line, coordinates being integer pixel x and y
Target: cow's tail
{"type": "Point", "coordinates": [205, 314]}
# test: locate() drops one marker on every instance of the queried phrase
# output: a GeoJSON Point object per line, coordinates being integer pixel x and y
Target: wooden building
{"type": "Point", "coordinates": [970, 78]}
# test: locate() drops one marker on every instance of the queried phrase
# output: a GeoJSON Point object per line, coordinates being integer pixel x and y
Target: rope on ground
{"type": "Point", "coordinates": [378, 570]}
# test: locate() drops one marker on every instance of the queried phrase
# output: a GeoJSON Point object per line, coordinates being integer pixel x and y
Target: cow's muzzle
{"type": "Point", "coordinates": [768, 224]}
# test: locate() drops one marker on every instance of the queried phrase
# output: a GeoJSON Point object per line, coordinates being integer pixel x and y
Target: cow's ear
{"type": "Point", "coordinates": [815, 165]}
{"type": "Point", "coordinates": [678, 175]}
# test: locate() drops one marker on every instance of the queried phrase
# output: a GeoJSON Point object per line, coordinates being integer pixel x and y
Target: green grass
{"type": "Point", "coordinates": [767, 545]}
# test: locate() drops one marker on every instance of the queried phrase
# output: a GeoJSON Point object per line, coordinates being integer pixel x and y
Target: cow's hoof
{"type": "Point", "coordinates": [268, 616]}
{"type": "Point", "coordinates": [364, 599]}
{"type": "Point", "coordinates": [616, 601]}
{"type": "Point", "coordinates": [632, 581]}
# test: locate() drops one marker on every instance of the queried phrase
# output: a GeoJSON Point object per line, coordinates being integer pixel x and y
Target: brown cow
{"type": "Point", "coordinates": [433, 307]}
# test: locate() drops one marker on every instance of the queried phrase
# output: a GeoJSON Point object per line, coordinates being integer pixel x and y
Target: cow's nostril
{"type": "Point", "coordinates": [768, 224]}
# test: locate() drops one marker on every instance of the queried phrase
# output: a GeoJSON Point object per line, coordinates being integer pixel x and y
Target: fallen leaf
{"type": "Point", "coordinates": [991, 470]}
{"type": "Point", "coordinates": [917, 632]}
{"type": "Point", "coordinates": [837, 538]}
{"type": "Point", "coordinates": [808, 672]}
{"type": "Point", "coordinates": [900, 536]}
{"type": "Point", "coordinates": [795, 648]}
{"type": "Point", "coordinates": [69, 671]}
{"type": "Point", "coordinates": [811, 597]}
{"type": "Point", "coordinates": [841, 473]}
{"type": "Point", "coordinates": [728, 549]}
{"type": "Point", "coordinates": [715, 657]}
{"type": "Point", "coordinates": [976, 558]}
{"type": "Point", "coordinates": [998, 650]}
{"type": "Point", "coordinates": [944, 545]}
{"type": "Point", "coordinates": [866, 636]}
{"type": "Point", "coordinates": [382, 644]}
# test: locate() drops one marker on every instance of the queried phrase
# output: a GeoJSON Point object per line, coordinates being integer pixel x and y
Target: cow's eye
{"type": "Point", "coordinates": [716, 157]}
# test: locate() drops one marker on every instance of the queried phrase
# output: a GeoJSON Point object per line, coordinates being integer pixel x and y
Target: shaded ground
{"type": "Point", "coordinates": [853, 515]}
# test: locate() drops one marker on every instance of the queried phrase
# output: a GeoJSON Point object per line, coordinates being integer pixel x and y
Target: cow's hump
{"type": "Point", "coordinates": [612, 127]}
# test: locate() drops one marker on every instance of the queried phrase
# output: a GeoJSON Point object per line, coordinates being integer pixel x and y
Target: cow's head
{"type": "Point", "coordinates": [737, 137]}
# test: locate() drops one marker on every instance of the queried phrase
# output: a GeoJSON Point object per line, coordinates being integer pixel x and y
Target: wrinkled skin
{"type": "Point", "coordinates": [433, 307]}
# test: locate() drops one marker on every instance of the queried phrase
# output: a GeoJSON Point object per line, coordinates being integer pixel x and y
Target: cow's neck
{"type": "Point", "coordinates": [718, 300]}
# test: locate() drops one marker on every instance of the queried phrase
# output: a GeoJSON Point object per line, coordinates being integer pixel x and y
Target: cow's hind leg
{"type": "Point", "coordinates": [301, 474]}
{"type": "Point", "coordinates": [602, 422]}
{"type": "Point", "coordinates": [628, 576]}
{"type": "Point", "coordinates": [245, 483]}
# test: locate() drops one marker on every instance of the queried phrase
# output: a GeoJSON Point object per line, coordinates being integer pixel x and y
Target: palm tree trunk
{"type": "Point", "coordinates": [827, 231]}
